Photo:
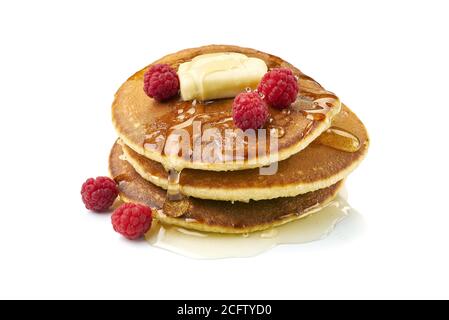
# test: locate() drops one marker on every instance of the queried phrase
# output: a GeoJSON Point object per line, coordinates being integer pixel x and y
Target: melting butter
{"type": "Point", "coordinates": [219, 75]}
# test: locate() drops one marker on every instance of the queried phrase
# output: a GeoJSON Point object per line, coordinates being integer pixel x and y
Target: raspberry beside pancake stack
{"type": "Point", "coordinates": [319, 143]}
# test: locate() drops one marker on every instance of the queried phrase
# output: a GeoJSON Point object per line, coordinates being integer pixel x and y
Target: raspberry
{"type": "Point", "coordinates": [132, 220]}
{"type": "Point", "coordinates": [161, 82]}
{"type": "Point", "coordinates": [99, 194]}
{"type": "Point", "coordinates": [249, 111]}
{"type": "Point", "coordinates": [280, 88]}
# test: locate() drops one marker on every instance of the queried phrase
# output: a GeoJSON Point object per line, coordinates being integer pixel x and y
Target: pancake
{"type": "Point", "coordinates": [144, 124]}
{"type": "Point", "coordinates": [216, 216]}
{"type": "Point", "coordinates": [317, 166]}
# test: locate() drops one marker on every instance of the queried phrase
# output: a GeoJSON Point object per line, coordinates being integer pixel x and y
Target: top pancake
{"type": "Point", "coordinates": [144, 124]}
{"type": "Point", "coordinates": [324, 162]}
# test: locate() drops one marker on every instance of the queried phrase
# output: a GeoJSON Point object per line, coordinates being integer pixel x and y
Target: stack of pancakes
{"type": "Point", "coordinates": [320, 141]}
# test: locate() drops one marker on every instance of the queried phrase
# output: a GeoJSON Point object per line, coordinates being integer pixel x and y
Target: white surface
{"type": "Point", "coordinates": [60, 65]}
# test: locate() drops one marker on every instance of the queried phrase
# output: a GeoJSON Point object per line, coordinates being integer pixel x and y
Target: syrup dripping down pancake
{"type": "Point", "coordinates": [216, 216]}
{"type": "Point", "coordinates": [318, 166]}
{"type": "Point", "coordinates": [144, 124]}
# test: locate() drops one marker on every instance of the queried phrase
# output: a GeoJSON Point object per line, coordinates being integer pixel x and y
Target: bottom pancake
{"type": "Point", "coordinates": [212, 215]}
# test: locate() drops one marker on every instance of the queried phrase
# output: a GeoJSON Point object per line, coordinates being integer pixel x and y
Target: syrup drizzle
{"type": "Point", "coordinates": [173, 188]}
{"type": "Point", "coordinates": [313, 102]}
{"type": "Point", "coordinates": [339, 139]}
{"type": "Point", "coordinates": [176, 204]}
{"type": "Point", "coordinates": [315, 110]}
{"type": "Point", "coordinates": [122, 178]}
{"type": "Point", "coordinates": [155, 141]}
{"type": "Point", "coordinates": [308, 129]}
{"type": "Point", "coordinates": [276, 131]}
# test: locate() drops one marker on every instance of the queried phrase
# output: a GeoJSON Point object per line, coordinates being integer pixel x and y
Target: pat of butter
{"type": "Point", "coordinates": [219, 75]}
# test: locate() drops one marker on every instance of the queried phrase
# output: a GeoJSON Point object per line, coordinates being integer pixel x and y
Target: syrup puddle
{"type": "Point", "coordinates": [201, 245]}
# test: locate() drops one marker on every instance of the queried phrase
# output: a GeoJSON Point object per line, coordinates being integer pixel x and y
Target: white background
{"type": "Point", "coordinates": [60, 64]}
